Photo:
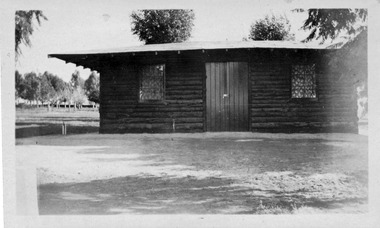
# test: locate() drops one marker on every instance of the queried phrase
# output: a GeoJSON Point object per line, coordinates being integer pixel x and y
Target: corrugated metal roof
{"type": "Point", "coordinates": [185, 46]}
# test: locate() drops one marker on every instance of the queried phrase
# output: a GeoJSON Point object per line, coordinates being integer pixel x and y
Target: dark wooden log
{"type": "Point", "coordinates": [270, 106]}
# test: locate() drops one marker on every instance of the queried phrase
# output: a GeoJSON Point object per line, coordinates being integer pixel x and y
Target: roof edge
{"type": "Point", "coordinates": [193, 46]}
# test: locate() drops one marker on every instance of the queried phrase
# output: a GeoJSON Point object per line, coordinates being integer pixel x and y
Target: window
{"type": "Point", "coordinates": [152, 85]}
{"type": "Point", "coordinates": [304, 81]}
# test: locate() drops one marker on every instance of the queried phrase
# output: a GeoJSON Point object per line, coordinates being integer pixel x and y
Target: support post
{"type": "Point", "coordinates": [64, 128]}
{"type": "Point", "coordinates": [173, 125]}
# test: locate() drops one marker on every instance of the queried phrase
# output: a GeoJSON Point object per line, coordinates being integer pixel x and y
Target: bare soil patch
{"type": "Point", "coordinates": [207, 173]}
{"type": "Point", "coordinates": [239, 173]}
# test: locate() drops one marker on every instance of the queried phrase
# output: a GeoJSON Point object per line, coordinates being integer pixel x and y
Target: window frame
{"type": "Point", "coordinates": [140, 76]}
{"type": "Point", "coordinates": [304, 99]}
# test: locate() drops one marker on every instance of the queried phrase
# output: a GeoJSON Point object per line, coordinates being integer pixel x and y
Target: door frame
{"type": "Point", "coordinates": [204, 91]}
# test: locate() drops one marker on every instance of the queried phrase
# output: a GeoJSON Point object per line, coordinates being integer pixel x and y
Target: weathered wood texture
{"type": "Point", "coordinates": [273, 109]}
{"type": "Point", "coordinates": [227, 96]}
{"type": "Point", "coordinates": [180, 111]}
{"type": "Point", "coordinates": [184, 109]}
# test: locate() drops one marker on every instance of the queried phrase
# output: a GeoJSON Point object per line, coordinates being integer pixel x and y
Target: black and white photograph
{"type": "Point", "coordinates": [221, 108]}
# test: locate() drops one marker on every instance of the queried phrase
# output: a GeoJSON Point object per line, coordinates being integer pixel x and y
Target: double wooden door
{"type": "Point", "coordinates": [227, 96]}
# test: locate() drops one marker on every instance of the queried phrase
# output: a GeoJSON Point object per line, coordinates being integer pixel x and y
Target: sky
{"type": "Point", "coordinates": [110, 27]}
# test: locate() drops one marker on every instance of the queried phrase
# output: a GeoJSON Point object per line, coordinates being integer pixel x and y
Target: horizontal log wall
{"type": "Point", "coordinates": [273, 109]}
{"type": "Point", "coordinates": [180, 111]}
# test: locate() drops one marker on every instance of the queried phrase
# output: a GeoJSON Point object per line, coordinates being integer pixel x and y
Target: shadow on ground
{"type": "Point", "coordinates": [166, 195]}
{"type": "Point", "coordinates": [198, 173]}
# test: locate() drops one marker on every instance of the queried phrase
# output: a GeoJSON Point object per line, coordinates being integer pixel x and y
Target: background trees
{"type": "Point", "coordinates": [271, 28]}
{"type": "Point", "coordinates": [31, 85]}
{"type": "Point", "coordinates": [351, 60]}
{"type": "Point", "coordinates": [59, 86]}
{"type": "Point", "coordinates": [20, 87]}
{"type": "Point", "coordinates": [76, 80]}
{"type": "Point", "coordinates": [92, 86]}
{"type": "Point", "coordinates": [46, 91]}
{"type": "Point", "coordinates": [24, 27]}
{"type": "Point", "coordinates": [330, 23]}
{"type": "Point", "coordinates": [48, 88]}
{"type": "Point", "coordinates": [162, 26]}
{"type": "Point", "coordinates": [78, 93]}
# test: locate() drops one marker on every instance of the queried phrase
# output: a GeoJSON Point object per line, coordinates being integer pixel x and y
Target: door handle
{"type": "Point", "coordinates": [225, 95]}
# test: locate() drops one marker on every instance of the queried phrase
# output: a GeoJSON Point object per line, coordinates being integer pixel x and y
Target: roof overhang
{"type": "Point", "coordinates": [90, 57]}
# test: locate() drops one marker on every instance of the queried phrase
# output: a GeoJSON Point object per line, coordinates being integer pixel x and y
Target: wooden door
{"type": "Point", "coordinates": [227, 96]}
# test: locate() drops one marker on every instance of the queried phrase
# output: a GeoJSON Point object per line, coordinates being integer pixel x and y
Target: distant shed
{"type": "Point", "coordinates": [259, 86]}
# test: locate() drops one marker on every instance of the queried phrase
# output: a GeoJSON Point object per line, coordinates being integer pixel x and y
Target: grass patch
{"type": "Point", "coordinates": [39, 122]}
{"type": "Point", "coordinates": [278, 208]}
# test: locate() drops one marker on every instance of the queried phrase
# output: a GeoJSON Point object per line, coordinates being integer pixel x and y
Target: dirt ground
{"type": "Point", "coordinates": [206, 173]}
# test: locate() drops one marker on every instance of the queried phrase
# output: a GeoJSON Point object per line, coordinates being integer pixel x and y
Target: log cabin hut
{"type": "Point", "coordinates": [258, 86]}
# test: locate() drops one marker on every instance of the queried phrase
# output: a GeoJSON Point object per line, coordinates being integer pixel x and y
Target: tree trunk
{"type": "Point", "coordinates": [48, 106]}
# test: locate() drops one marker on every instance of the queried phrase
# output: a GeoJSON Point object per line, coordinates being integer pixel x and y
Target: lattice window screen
{"type": "Point", "coordinates": [303, 81]}
{"type": "Point", "coordinates": [152, 82]}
